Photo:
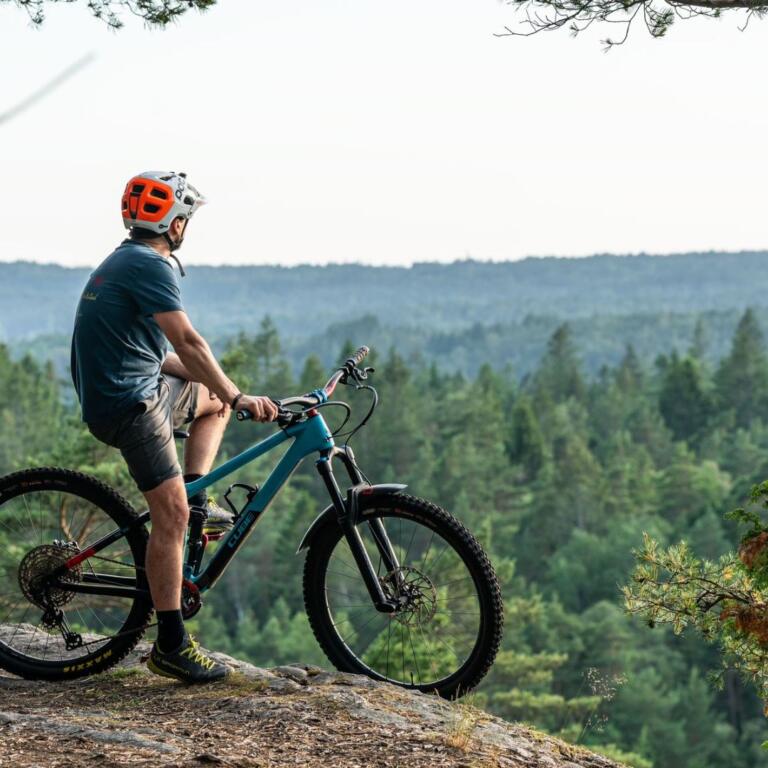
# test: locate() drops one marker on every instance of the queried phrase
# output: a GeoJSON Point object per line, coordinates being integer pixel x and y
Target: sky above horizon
{"type": "Point", "coordinates": [384, 133]}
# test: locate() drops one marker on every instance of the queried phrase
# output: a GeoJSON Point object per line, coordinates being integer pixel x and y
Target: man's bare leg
{"type": "Point", "coordinates": [174, 653]}
{"type": "Point", "coordinates": [205, 433]}
{"type": "Point", "coordinates": [169, 513]}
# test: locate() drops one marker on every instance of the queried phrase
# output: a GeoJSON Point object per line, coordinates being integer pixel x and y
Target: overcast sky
{"type": "Point", "coordinates": [385, 133]}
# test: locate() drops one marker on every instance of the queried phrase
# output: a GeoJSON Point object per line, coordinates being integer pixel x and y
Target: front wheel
{"type": "Point", "coordinates": [446, 631]}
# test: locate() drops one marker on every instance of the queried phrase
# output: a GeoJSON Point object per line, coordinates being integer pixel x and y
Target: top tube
{"type": "Point", "coordinates": [310, 436]}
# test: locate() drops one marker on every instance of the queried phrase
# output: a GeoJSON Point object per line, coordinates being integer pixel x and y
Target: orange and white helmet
{"type": "Point", "coordinates": [152, 200]}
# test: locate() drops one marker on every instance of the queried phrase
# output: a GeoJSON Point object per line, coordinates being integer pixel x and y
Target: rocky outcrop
{"type": "Point", "coordinates": [292, 715]}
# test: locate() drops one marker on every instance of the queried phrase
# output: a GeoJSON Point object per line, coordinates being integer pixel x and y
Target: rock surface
{"type": "Point", "coordinates": [285, 716]}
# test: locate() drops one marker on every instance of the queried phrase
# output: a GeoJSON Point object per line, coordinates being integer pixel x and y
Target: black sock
{"type": "Point", "coordinates": [199, 499]}
{"type": "Point", "coordinates": [170, 630]}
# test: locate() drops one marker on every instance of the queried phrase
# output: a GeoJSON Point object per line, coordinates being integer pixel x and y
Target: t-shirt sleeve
{"type": "Point", "coordinates": [155, 287]}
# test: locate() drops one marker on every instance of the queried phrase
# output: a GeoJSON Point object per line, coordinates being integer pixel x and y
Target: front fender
{"type": "Point", "coordinates": [328, 515]}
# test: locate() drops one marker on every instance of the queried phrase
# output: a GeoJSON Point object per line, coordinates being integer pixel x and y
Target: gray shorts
{"type": "Point", "coordinates": [144, 435]}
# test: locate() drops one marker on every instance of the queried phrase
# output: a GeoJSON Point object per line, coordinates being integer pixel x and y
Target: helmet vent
{"type": "Point", "coordinates": [151, 208]}
{"type": "Point", "coordinates": [161, 193]}
{"type": "Point", "coordinates": [137, 189]}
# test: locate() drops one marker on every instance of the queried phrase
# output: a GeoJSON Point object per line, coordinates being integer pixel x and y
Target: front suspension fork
{"type": "Point", "coordinates": [348, 517]}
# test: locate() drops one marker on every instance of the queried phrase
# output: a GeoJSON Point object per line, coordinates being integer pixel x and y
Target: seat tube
{"type": "Point", "coordinates": [353, 537]}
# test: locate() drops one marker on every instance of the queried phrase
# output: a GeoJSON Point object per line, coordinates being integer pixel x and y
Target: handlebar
{"type": "Point", "coordinates": [357, 358]}
{"type": "Point", "coordinates": [286, 417]}
{"type": "Point", "coordinates": [346, 370]}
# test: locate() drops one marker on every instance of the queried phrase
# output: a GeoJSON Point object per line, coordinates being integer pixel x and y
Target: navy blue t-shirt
{"type": "Point", "coordinates": [117, 347]}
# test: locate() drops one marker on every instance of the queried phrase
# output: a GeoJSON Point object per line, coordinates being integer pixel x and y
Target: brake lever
{"type": "Point", "coordinates": [358, 375]}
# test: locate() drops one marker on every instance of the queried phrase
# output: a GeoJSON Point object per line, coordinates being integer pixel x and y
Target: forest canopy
{"type": "Point", "coordinates": [559, 475]}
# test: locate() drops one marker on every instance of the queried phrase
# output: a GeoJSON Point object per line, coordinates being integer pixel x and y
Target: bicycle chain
{"type": "Point", "coordinates": [127, 631]}
{"type": "Point", "coordinates": [116, 562]}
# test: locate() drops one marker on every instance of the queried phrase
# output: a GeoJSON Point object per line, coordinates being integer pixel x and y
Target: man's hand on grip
{"type": "Point", "coordinates": [261, 408]}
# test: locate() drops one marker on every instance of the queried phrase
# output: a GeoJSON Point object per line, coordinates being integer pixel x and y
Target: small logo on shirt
{"type": "Point", "coordinates": [96, 282]}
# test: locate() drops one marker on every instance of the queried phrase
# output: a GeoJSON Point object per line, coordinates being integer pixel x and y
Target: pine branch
{"type": "Point", "coordinates": [657, 17]}
{"type": "Point", "coordinates": [156, 13]}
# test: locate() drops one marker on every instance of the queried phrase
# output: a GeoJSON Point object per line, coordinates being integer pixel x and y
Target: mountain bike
{"type": "Point", "coordinates": [394, 587]}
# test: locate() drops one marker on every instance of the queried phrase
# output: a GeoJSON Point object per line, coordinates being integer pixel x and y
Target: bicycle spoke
{"type": "Point", "coordinates": [415, 660]}
{"type": "Point", "coordinates": [437, 630]}
{"type": "Point", "coordinates": [44, 525]}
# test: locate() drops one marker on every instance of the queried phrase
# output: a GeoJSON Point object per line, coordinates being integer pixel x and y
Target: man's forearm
{"type": "Point", "coordinates": [197, 358]}
{"type": "Point", "coordinates": [173, 366]}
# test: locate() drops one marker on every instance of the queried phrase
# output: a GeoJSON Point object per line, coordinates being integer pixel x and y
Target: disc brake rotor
{"type": "Point", "coordinates": [415, 594]}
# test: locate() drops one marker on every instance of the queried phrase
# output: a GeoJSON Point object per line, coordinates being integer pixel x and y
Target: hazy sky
{"type": "Point", "coordinates": [385, 132]}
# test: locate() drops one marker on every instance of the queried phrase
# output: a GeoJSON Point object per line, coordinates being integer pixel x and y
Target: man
{"type": "Point", "coordinates": [134, 393]}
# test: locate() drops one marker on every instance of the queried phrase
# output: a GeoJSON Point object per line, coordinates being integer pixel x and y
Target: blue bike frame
{"type": "Point", "coordinates": [310, 436]}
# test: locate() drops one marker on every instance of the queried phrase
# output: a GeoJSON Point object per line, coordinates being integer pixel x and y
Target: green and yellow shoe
{"type": "Point", "coordinates": [188, 663]}
{"type": "Point", "coordinates": [219, 520]}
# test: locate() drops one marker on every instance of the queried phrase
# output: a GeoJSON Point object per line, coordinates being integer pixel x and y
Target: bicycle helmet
{"type": "Point", "coordinates": [152, 200]}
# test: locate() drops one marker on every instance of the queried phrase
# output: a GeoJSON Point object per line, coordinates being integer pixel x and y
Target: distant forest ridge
{"type": "Point", "coordinates": [457, 314]}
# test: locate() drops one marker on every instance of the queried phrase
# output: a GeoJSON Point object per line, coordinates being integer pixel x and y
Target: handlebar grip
{"type": "Point", "coordinates": [358, 357]}
{"type": "Point", "coordinates": [284, 417]}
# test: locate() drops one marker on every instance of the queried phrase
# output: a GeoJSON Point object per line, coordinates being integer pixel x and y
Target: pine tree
{"type": "Point", "coordinates": [559, 376]}
{"type": "Point", "coordinates": [526, 443]}
{"type": "Point", "coordinates": [699, 342]}
{"type": "Point", "coordinates": [742, 377]}
{"type": "Point", "coordinates": [683, 403]}
{"type": "Point", "coordinates": [629, 375]}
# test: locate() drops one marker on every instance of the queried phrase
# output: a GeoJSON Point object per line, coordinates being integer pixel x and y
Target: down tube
{"type": "Point", "coordinates": [237, 536]}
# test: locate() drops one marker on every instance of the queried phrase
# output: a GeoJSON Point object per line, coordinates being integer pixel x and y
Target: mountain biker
{"type": "Point", "coordinates": [134, 393]}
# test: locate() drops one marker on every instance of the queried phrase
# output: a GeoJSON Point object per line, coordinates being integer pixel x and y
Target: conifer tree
{"type": "Point", "coordinates": [742, 377]}
{"type": "Point", "coordinates": [683, 403]}
{"type": "Point", "coordinates": [559, 375]}
{"type": "Point", "coordinates": [526, 443]}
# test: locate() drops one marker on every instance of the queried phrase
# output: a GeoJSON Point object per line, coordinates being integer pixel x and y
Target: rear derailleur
{"type": "Point", "coordinates": [53, 618]}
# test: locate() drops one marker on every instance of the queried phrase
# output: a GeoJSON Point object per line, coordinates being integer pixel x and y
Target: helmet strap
{"type": "Point", "coordinates": [176, 259]}
{"type": "Point", "coordinates": [175, 245]}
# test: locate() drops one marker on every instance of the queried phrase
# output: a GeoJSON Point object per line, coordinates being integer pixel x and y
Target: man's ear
{"type": "Point", "coordinates": [177, 226]}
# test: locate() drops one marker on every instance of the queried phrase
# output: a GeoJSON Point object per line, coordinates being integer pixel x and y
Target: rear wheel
{"type": "Point", "coordinates": [446, 632]}
{"type": "Point", "coordinates": [47, 631]}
